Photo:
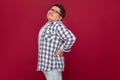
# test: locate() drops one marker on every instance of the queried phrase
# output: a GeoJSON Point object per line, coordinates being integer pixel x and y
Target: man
{"type": "Point", "coordinates": [54, 39]}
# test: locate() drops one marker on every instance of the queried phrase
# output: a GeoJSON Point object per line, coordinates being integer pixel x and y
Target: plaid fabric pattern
{"type": "Point", "coordinates": [55, 36]}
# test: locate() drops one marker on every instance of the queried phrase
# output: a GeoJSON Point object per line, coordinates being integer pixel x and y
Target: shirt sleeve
{"type": "Point", "coordinates": [67, 36]}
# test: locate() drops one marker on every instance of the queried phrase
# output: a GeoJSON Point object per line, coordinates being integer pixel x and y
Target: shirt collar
{"type": "Point", "coordinates": [54, 22]}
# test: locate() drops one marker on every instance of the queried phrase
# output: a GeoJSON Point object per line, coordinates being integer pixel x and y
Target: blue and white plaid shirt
{"type": "Point", "coordinates": [53, 37]}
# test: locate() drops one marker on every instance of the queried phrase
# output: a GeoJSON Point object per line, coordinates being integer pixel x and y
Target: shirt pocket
{"type": "Point", "coordinates": [50, 35]}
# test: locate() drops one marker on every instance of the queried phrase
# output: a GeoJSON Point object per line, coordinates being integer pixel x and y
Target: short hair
{"type": "Point", "coordinates": [62, 9]}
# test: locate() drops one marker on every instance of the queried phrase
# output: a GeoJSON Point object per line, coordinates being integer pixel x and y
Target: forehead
{"type": "Point", "coordinates": [56, 8]}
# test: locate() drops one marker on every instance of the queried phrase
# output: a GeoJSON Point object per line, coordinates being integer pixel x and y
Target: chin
{"type": "Point", "coordinates": [49, 18]}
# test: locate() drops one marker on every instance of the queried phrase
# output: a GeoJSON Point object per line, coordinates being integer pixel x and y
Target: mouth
{"type": "Point", "coordinates": [49, 14]}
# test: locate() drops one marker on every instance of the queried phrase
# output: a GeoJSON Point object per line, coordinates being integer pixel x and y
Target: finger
{"type": "Point", "coordinates": [57, 53]}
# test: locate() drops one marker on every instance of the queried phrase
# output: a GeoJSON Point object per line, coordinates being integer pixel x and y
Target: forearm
{"type": "Point", "coordinates": [66, 46]}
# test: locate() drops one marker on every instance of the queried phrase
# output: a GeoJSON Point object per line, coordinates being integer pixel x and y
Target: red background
{"type": "Point", "coordinates": [94, 56]}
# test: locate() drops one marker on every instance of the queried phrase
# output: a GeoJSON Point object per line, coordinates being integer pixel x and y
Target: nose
{"type": "Point", "coordinates": [51, 12]}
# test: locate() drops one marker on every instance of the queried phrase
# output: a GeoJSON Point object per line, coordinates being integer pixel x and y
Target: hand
{"type": "Point", "coordinates": [59, 53]}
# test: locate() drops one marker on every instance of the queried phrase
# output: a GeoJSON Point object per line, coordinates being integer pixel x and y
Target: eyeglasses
{"type": "Point", "coordinates": [55, 11]}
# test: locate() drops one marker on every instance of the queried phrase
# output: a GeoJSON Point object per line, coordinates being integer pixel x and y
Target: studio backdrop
{"type": "Point", "coordinates": [94, 56]}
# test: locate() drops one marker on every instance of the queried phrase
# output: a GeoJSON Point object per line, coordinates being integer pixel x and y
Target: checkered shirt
{"type": "Point", "coordinates": [54, 37]}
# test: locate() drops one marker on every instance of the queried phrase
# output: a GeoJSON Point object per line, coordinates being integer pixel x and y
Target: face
{"type": "Point", "coordinates": [54, 14]}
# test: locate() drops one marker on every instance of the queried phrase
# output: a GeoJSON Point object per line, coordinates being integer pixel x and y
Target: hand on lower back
{"type": "Point", "coordinates": [59, 53]}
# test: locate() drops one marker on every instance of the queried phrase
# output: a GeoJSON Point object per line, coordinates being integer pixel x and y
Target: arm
{"type": "Point", "coordinates": [67, 36]}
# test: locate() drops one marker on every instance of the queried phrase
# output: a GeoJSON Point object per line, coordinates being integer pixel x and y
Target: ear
{"type": "Point", "coordinates": [60, 18]}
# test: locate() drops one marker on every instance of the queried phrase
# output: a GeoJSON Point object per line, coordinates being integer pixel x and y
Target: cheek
{"type": "Point", "coordinates": [55, 17]}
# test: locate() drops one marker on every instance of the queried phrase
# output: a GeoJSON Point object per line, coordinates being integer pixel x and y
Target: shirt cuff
{"type": "Point", "coordinates": [64, 50]}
